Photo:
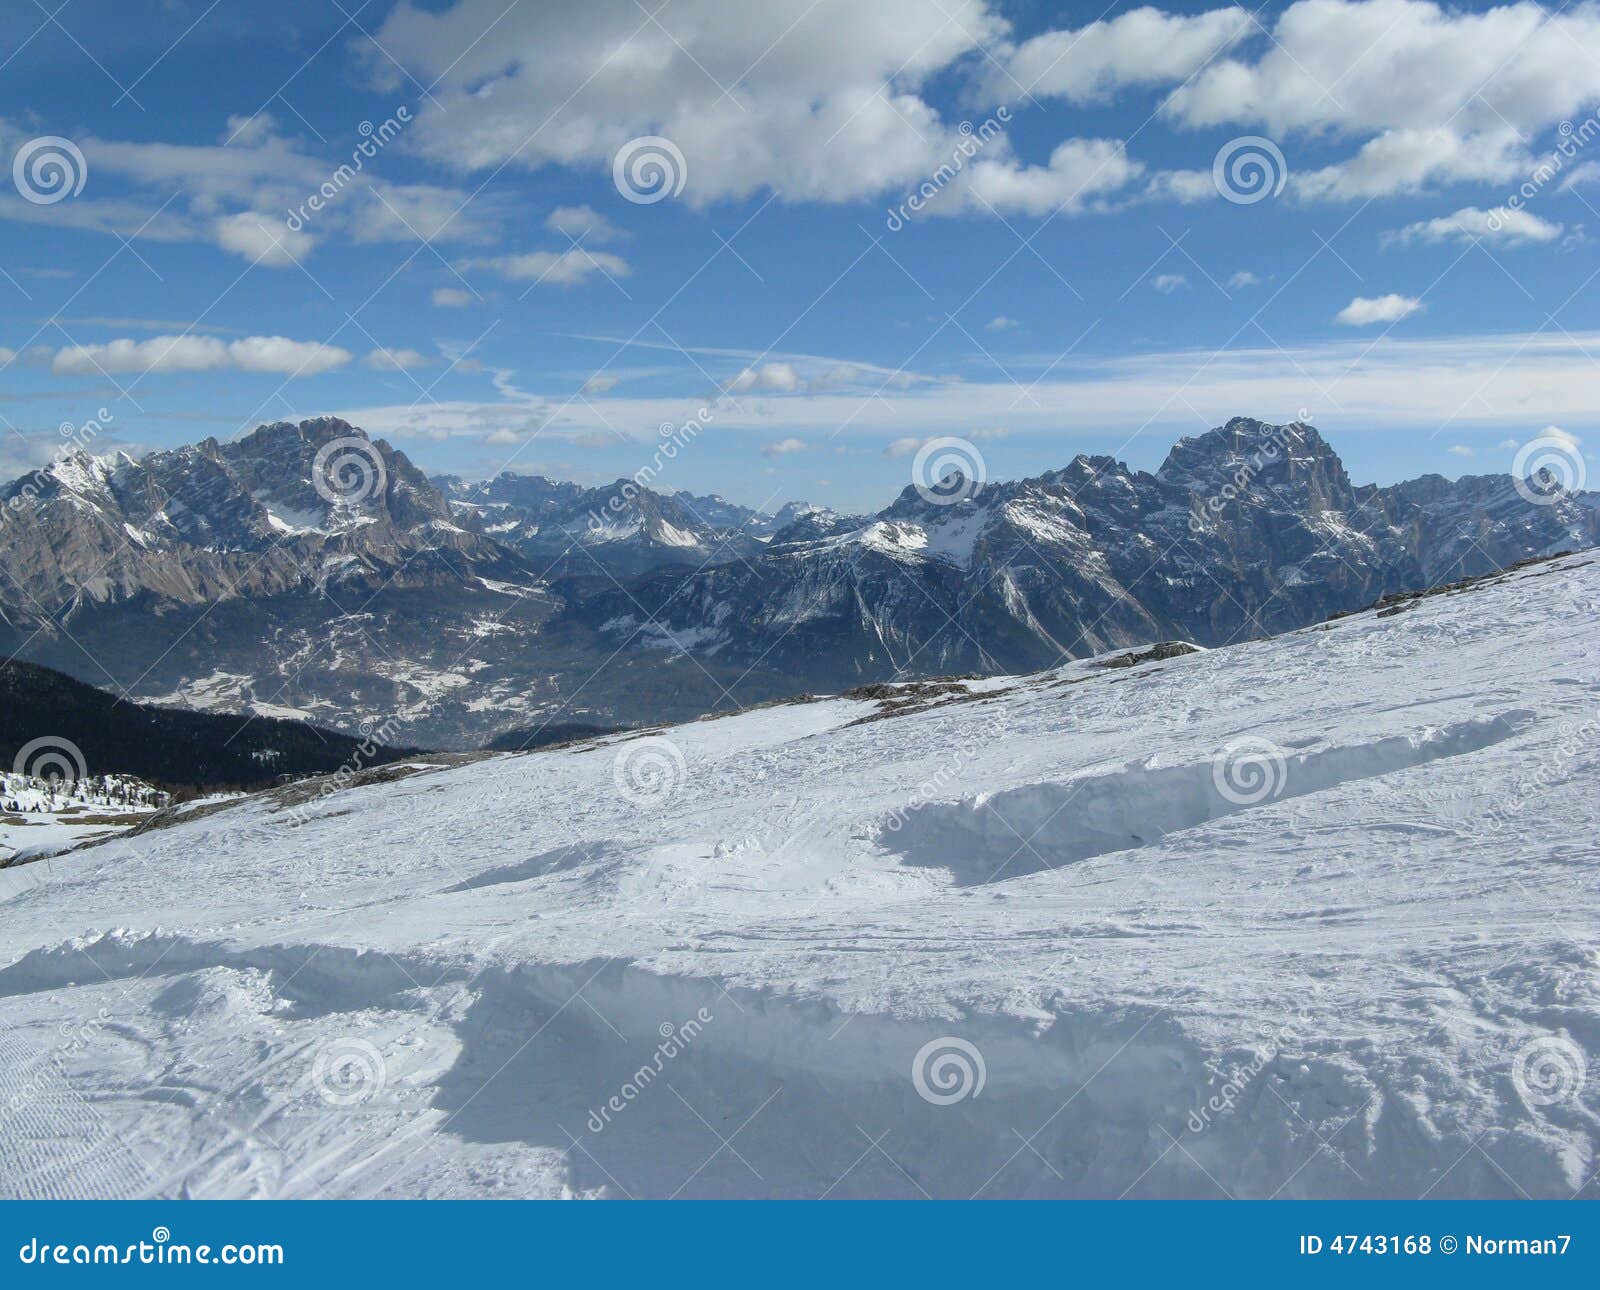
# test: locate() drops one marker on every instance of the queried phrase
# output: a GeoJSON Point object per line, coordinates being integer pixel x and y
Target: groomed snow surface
{"type": "Point", "coordinates": [1314, 916]}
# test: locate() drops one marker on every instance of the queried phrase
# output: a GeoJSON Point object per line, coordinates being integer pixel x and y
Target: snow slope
{"type": "Point", "coordinates": [1311, 916]}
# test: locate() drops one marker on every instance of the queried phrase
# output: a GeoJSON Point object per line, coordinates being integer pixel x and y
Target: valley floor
{"type": "Point", "coordinates": [1310, 916]}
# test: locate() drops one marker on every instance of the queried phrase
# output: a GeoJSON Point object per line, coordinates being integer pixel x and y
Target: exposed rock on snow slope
{"type": "Point", "coordinates": [1310, 916]}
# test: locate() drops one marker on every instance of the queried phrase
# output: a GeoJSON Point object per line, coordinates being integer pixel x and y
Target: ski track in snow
{"type": "Point", "coordinates": [437, 986]}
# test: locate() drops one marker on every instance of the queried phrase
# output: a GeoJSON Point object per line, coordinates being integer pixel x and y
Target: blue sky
{"type": "Point", "coordinates": [483, 293]}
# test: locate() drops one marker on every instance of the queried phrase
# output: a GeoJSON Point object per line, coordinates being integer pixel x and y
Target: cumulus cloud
{"type": "Point", "coordinates": [1167, 283]}
{"type": "Point", "coordinates": [825, 101]}
{"type": "Point", "coordinates": [1364, 311]}
{"type": "Point", "coordinates": [1142, 47]}
{"type": "Point", "coordinates": [1566, 436]}
{"type": "Point", "coordinates": [1383, 65]}
{"type": "Point", "coordinates": [1078, 172]}
{"type": "Point", "coordinates": [201, 354]}
{"type": "Point", "coordinates": [783, 447]}
{"type": "Point", "coordinates": [829, 103]}
{"type": "Point", "coordinates": [451, 298]}
{"type": "Point", "coordinates": [830, 99]}
{"type": "Point", "coordinates": [1439, 95]}
{"type": "Point", "coordinates": [1001, 323]}
{"type": "Point", "coordinates": [599, 383]}
{"type": "Point", "coordinates": [1470, 224]}
{"type": "Point", "coordinates": [555, 268]}
{"type": "Point", "coordinates": [1461, 450]}
{"type": "Point", "coordinates": [262, 239]}
{"type": "Point", "coordinates": [1243, 278]}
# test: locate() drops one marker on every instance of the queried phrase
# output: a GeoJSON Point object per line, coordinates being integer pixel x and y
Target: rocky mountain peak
{"type": "Point", "coordinates": [1292, 465]}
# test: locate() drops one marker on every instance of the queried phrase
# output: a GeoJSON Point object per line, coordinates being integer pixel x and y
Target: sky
{"type": "Point", "coordinates": [539, 235]}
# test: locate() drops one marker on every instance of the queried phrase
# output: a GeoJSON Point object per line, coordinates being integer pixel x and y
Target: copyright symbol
{"type": "Point", "coordinates": [1447, 1245]}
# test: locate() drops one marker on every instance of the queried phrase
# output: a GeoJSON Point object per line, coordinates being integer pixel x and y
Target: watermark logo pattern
{"type": "Point", "coordinates": [649, 169]}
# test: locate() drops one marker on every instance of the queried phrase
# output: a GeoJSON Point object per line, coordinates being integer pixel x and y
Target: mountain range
{"type": "Point", "coordinates": [308, 571]}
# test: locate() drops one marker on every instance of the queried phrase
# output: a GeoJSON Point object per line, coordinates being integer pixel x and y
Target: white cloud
{"type": "Point", "coordinates": [599, 383]}
{"type": "Point", "coordinates": [1470, 224]}
{"type": "Point", "coordinates": [262, 239]}
{"type": "Point", "coordinates": [1409, 161]}
{"type": "Point", "coordinates": [1461, 450]}
{"type": "Point", "coordinates": [583, 224]}
{"type": "Point", "coordinates": [557, 268]}
{"type": "Point", "coordinates": [783, 447]}
{"type": "Point", "coordinates": [1364, 310]}
{"type": "Point", "coordinates": [1167, 283]}
{"type": "Point", "coordinates": [237, 194]}
{"type": "Point", "coordinates": [1001, 323]}
{"type": "Point", "coordinates": [824, 100]}
{"type": "Point", "coordinates": [1185, 186]}
{"type": "Point", "coordinates": [1079, 171]}
{"type": "Point", "coordinates": [1566, 436]}
{"type": "Point", "coordinates": [1383, 382]}
{"type": "Point", "coordinates": [1441, 95]}
{"type": "Point", "coordinates": [395, 360]}
{"type": "Point", "coordinates": [1142, 47]}
{"type": "Point", "coordinates": [1403, 64]}
{"type": "Point", "coordinates": [904, 447]}
{"type": "Point", "coordinates": [201, 354]}
{"type": "Point", "coordinates": [783, 378]}
{"type": "Point", "coordinates": [1243, 278]}
{"type": "Point", "coordinates": [451, 298]}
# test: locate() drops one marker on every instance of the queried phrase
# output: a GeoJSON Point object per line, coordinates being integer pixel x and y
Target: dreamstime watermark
{"type": "Point", "coordinates": [1249, 169]}
{"type": "Point", "coordinates": [1574, 138]}
{"type": "Point", "coordinates": [933, 788]}
{"type": "Point", "coordinates": [649, 772]}
{"type": "Point", "coordinates": [160, 1250]}
{"type": "Point", "coordinates": [51, 758]}
{"type": "Point", "coordinates": [948, 470]}
{"type": "Point", "coordinates": [348, 470]}
{"type": "Point", "coordinates": [1237, 1078]}
{"type": "Point", "coordinates": [971, 140]}
{"type": "Point", "coordinates": [1572, 740]}
{"type": "Point", "coordinates": [948, 1070]}
{"type": "Point", "coordinates": [373, 140]}
{"type": "Point", "coordinates": [1549, 1070]}
{"type": "Point", "coordinates": [673, 440]}
{"type": "Point", "coordinates": [1547, 467]}
{"type": "Point", "coordinates": [49, 169]}
{"type": "Point", "coordinates": [374, 737]}
{"type": "Point", "coordinates": [75, 438]}
{"type": "Point", "coordinates": [649, 169]}
{"type": "Point", "coordinates": [1249, 770]}
{"type": "Point", "coordinates": [674, 1040]}
{"type": "Point", "coordinates": [1271, 449]}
